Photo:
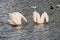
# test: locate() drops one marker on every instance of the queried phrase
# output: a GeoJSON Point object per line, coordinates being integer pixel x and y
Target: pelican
{"type": "Point", "coordinates": [40, 19]}
{"type": "Point", "coordinates": [15, 18]}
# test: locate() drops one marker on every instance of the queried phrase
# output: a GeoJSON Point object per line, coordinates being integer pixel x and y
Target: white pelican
{"type": "Point", "coordinates": [40, 19]}
{"type": "Point", "coordinates": [15, 18]}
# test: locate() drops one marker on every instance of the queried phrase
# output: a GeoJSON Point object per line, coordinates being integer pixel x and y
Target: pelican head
{"type": "Point", "coordinates": [15, 18]}
{"type": "Point", "coordinates": [40, 19]}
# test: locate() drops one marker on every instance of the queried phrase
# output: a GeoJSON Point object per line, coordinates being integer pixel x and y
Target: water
{"type": "Point", "coordinates": [30, 31]}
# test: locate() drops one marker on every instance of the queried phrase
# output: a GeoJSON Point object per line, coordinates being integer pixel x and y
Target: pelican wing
{"type": "Point", "coordinates": [19, 16]}
{"type": "Point", "coordinates": [45, 15]}
{"type": "Point", "coordinates": [23, 17]}
{"type": "Point", "coordinates": [36, 16]}
{"type": "Point", "coordinates": [15, 18]}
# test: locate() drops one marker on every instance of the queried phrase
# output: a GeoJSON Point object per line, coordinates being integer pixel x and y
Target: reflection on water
{"type": "Point", "coordinates": [40, 27]}
{"type": "Point", "coordinates": [17, 27]}
{"type": "Point", "coordinates": [33, 32]}
{"type": "Point", "coordinates": [40, 31]}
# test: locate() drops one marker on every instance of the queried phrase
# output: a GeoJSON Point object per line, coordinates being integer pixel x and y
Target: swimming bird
{"type": "Point", "coordinates": [40, 19]}
{"type": "Point", "coordinates": [15, 18]}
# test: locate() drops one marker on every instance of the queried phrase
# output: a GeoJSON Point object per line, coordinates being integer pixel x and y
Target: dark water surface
{"type": "Point", "coordinates": [30, 31]}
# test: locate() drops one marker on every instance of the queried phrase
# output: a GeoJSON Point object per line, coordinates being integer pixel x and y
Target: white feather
{"type": "Point", "coordinates": [16, 17]}
{"type": "Point", "coordinates": [40, 19]}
